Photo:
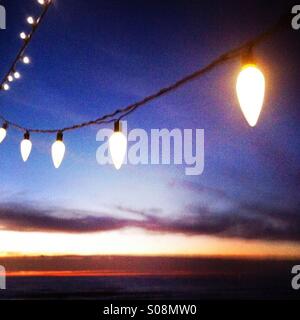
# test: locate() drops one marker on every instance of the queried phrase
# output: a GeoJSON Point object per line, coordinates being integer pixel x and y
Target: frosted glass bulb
{"type": "Point", "coordinates": [118, 148]}
{"type": "Point", "coordinates": [30, 20]}
{"type": "Point", "coordinates": [6, 87]}
{"type": "Point", "coordinates": [23, 35]}
{"type": "Point", "coordinates": [26, 147]}
{"type": "Point", "coordinates": [251, 92]}
{"type": "Point", "coordinates": [3, 134]}
{"type": "Point", "coordinates": [26, 60]}
{"type": "Point", "coordinates": [58, 151]}
{"type": "Point", "coordinates": [17, 75]}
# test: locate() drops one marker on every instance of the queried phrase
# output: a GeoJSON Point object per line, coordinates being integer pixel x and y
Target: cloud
{"type": "Point", "coordinates": [249, 221]}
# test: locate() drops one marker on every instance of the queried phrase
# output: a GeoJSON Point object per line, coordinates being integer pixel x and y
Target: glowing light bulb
{"type": "Point", "coordinates": [17, 75]}
{"type": "Point", "coordinates": [6, 86]}
{"type": "Point", "coordinates": [58, 150]}
{"type": "Point", "coordinates": [23, 36]}
{"type": "Point", "coordinates": [26, 147]}
{"type": "Point", "coordinates": [31, 20]}
{"type": "Point", "coordinates": [26, 60]}
{"type": "Point", "coordinates": [251, 92]}
{"type": "Point", "coordinates": [10, 78]}
{"type": "Point", "coordinates": [118, 146]}
{"type": "Point", "coordinates": [3, 132]}
{"type": "Point", "coordinates": [44, 2]}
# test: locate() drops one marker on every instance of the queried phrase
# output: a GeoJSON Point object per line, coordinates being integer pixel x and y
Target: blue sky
{"type": "Point", "coordinates": [91, 57]}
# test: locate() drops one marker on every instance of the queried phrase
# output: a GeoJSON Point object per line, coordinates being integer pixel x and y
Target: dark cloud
{"type": "Point", "coordinates": [27, 218]}
{"type": "Point", "coordinates": [250, 221]}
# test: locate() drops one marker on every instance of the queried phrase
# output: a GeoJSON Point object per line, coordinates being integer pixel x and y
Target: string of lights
{"type": "Point", "coordinates": [250, 91]}
{"type": "Point", "coordinates": [12, 73]}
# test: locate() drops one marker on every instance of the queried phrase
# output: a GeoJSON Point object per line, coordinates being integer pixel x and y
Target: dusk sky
{"type": "Point", "coordinates": [91, 57]}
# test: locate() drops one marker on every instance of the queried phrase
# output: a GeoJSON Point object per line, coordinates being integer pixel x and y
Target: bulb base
{"type": "Point", "coordinates": [60, 136]}
{"type": "Point", "coordinates": [27, 136]}
{"type": "Point", "coordinates": [118, 126]}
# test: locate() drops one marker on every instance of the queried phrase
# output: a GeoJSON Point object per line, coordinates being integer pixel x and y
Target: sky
{"type": "Point", "coordinates": [91, 57]}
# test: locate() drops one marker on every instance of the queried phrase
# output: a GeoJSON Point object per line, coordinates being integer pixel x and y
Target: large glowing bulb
{"type": "Point", "coordinates": [118, 146]}
{"type": "Point", "coordinates": [251, 92]}
{"type": "Point", "coordinates": [3, 132]}
{"type": "Point", "coordinates": [58, 150]}
{"type": "Point", "coordinates": [26, 147]}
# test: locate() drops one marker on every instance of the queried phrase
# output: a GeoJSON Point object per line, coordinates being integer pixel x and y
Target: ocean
{"type": "Point", "coordinates": [149, 287]}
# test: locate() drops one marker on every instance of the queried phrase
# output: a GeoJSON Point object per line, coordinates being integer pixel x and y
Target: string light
{"type": "Point", "coordinates": [250, 89]}
{"type": "Point", "coordinates": [250, 84]}
{"type": "Point", "coordinates": [3, 132]}
{"type": "Point", "coordinates": [17, 75]}
{"type": "Point", "coordinates": [44, 2]}
{"type": "Point", "coordinates": [26, 147]}
{"type": "Point", "coordinates": [118, 145]}
{"type": "Point", "coordinates": [58, 150]}
{"type": "Point", "coordinates": [23, 36]}
{"type": "Point", "coordinates": [6, 86]}
{"type": "Point", "coordinates": [26, 60]}
{"type": "Point", "coordinates": [27, 37]}
{"type": "Point", "coordinates": [31, 20]}
{"type": "Point", "coordinates": [10, 78]}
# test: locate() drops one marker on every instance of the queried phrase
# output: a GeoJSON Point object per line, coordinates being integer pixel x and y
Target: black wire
{"type": "Point", "coordinates": [123, 112]}
{"type": "Point", "coordinates": [25, 45]}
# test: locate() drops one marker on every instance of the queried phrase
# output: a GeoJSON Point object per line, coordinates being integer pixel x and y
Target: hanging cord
{"type": "Point", "coordinates": [119, 114]}
{"type": "Point", "coordinates": [36, 24]}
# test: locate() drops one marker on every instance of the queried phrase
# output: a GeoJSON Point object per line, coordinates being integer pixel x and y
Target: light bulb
{"type": "Point", "coordinates": [23, 36]}
{"type": "Point", "coordinates": [26, 60]}
{"type": "Point", "coordinates": [6, 86]}
{"type": "Point", "coordinates": [26, 147]}
{"type": "Point", "coordinates": [17, 75]}
{"type": "Point", "coordinates": [58, 150]}
{"type": "Point", "coordinates": [3, 132]}
{"type": "Point", "coordinates": [44, 2]}
{"type": "Point", "coordinates": [251, 92]}
{"type": "Point", "coordinates": [118, 146]}
{"type": "Point", "coordinates": [31, 20]}
{"type": "Point", "coordinates": [10, 78]}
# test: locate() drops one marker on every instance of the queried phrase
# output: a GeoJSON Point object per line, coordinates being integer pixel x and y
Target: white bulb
{"type": "Point", "coordinates": [26, 147]}
{"type": "Point", "coordinates": [58, 152]}
{"type": "Point", "coordinates": [30, 20]}
{"type": "Point", "coordinates": [23, 35]}
{"type": "Point", "coordinates": [10, 78]}
{"type": "Point", "coordinates": [118, 148]}
{"type": "Point", "coordinates": [2, 134]}
{"type": "Point", "coordinates": [251, 92]}
{"type": "Point", "coordinates": [17, 75]}
{"type": "Point", "coordinates": [6, 87]}
{"type": "Point", "coordinates": [26, 60]}
{"type": "Point", "coordinates": [43, 2]}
